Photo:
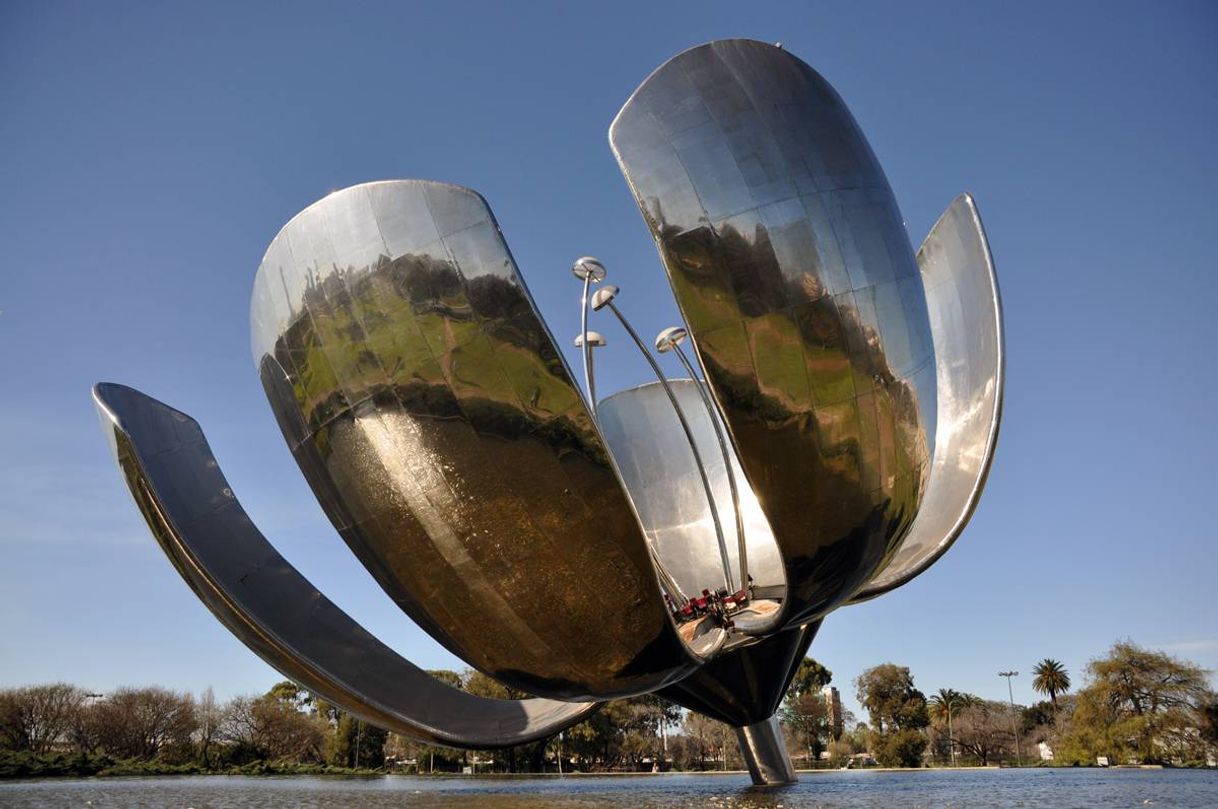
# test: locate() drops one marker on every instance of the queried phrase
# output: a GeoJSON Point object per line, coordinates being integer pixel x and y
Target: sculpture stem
{"type": "Point", "coordinates": [765, 754]}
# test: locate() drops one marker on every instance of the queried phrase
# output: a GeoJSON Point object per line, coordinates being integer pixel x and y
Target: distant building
{"type": "Point", "coordinates": [833, 709]}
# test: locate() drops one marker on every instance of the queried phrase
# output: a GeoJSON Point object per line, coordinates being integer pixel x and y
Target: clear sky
{"type": "Point", "coordinates": [149, 153]}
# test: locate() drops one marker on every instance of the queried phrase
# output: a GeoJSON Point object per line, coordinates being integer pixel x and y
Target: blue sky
{"type": "Point", "coordinates": [149, 152]}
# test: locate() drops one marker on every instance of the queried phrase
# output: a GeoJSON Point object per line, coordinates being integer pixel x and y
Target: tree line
{"type": "Point", "coordinates": [1136, 705]}
{"type": "Point", "coordinates": [59, 728]}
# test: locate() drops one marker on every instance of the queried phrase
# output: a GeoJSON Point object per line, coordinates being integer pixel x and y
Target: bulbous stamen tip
{"type": "Point", "coordinates": [595, 340]}
{"type": "Point", "coordinates": [588, 267]}
{"type": "Point", "coordinates": [670, 338]}
{"type": "Point", "coordinates": [603, 296]}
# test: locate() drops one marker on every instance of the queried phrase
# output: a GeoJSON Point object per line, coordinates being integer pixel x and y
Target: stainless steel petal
{"type": "Point", "coordinates": [966, 327]}
{"type": "Point", "coordinates": [428, 406]}
{"type": "Point", "coordinates": [658, 468]}
{"type": "Point", "coordinates": [789, 260]}
{"type": "Point", "coordinates": [274, 610]}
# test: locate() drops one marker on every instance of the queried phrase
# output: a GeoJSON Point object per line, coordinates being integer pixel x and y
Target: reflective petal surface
{"type": "Point", "coordinates": [426, 403]}
{"type": "Point", "coordinates": [791, 266]}
{"type": "Point", "coordinates": [966, 325]}
{"type": "Point", "coordinates": [658, 468]}
{"type": "Point", "coordinates": [275, 611]}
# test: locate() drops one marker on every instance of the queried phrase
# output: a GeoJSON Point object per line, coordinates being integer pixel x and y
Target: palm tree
{"type": "Point", "coordinates": [1050, 678]}
{"type": "Point", "coordinates": [942, 705]}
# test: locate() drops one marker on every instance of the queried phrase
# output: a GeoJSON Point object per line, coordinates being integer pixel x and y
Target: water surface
{"type": "Point", "coordinates": [977, 788]}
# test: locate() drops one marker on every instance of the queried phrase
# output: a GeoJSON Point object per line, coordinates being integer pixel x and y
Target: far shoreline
{"type": "Point", "coordinates": [339, 774]}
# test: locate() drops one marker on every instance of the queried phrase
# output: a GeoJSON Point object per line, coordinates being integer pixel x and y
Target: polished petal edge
{"type": "Point", "coordinates": [966, 326]}
{"type": "Point", "coordinates": [277, 612]}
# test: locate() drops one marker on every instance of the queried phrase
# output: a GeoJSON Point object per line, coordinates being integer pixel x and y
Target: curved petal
{"type": "Point", "coordinates": [274, 610]}
{"type": "Point", "coordinates": [426, 403]}
{"type": "Point", "coordinates": [659, 470]}
{"type": "Point", "coordinates": [966, 324]}
{"type": "Point", "coordinates": [789, 260]}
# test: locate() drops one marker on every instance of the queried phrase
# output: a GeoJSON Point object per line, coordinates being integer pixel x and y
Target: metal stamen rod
{"type": "Point", "coordinates": [604, 297]}
{"type": "Point", "coordinates": [670, 340]}
{"type": "Point", "coordinates": [587, 341]}
{"type": "Point", "coordinates": [666, 579]}
{"type": "Point", "coordinates": [587, 346]}
{"type": "Point", "coordinates": [594, 339]}
{"type": "Point", "coordinates": [590, 271]}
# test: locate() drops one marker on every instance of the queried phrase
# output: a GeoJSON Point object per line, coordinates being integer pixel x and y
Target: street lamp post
{"type": "Point", "coordinates": [1011, 698]}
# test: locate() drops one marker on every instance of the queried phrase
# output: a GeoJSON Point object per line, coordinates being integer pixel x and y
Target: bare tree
{"type": "Point", "coordinates": [709, 744]}
{"type": "Point", "coordinates": [146, 722]}
{"type": "Point", "coordinates": [40, 717]}
{"type": "Point", "coordinates": [13, 735]}
{"type": "Point", "coordinates": [86, 730]}
{"type": "Point", "coordinates": [210, 716]}
{"type": "Point", "coordinates": [285, 731]}
{"type": "Point", "coordinates": [982, 730]}
{"type": "Point", "coordinates": [238, 725]}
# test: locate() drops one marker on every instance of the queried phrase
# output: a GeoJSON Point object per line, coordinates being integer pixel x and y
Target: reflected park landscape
{"type": "Point", "coordinates": [977, 788]}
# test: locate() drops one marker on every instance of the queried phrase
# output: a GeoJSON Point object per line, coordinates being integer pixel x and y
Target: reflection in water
{"type": "Point", "coordinates": [992, 789]}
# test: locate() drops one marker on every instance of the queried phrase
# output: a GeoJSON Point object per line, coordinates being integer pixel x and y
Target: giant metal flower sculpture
{"type": "Point", "coordinates": [684, 537]}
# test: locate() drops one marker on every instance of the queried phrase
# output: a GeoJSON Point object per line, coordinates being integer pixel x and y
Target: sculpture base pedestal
{"type": "Point", "coordinates": [765, 753]}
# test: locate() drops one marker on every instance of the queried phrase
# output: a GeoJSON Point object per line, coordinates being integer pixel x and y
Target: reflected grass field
{"type": "Point", "coordinates": [914, 788]}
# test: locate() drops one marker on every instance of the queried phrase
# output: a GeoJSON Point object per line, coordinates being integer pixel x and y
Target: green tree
{"type": "Point", "coordinates": [810, 677]}
{"type": "Point", "coordinates": [430, 757]}
{"type": "Point", "coordinates": [807, 717]}
{"type": "Point", "coordinates": [290, 693]}
{"type": "Point", "coordinates": [840, 752]}
{"type": "Point", "coordinates": [942, 706]}
{"type": "Point", "coordinates": [804, 711]}
{"type": "Point", "coordinates": [898, 712]}
{"type": "Point", "coordinates": [597, 741]}
{"type": "Point", "coordinates": [1039, 715]}
{"type": "Point", "coordinates": [653, 715]}
{"type": "Point", "coordinates": [1139, 705]}
{"type": "Point", "coordinates": [859, 737]}
{"type": "Point", "coordinates": [1050, 677]}
{"type": "Point", "coordinates": [901, 748]}
{"type": "Point", "coordinates": [511, 759]}
{"type": "Point", "coordinates": [357, 743]}
{"type": "Point", "coordinates": [450, 678]}
{"type": "Point", "coordinates": [888, 694]}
